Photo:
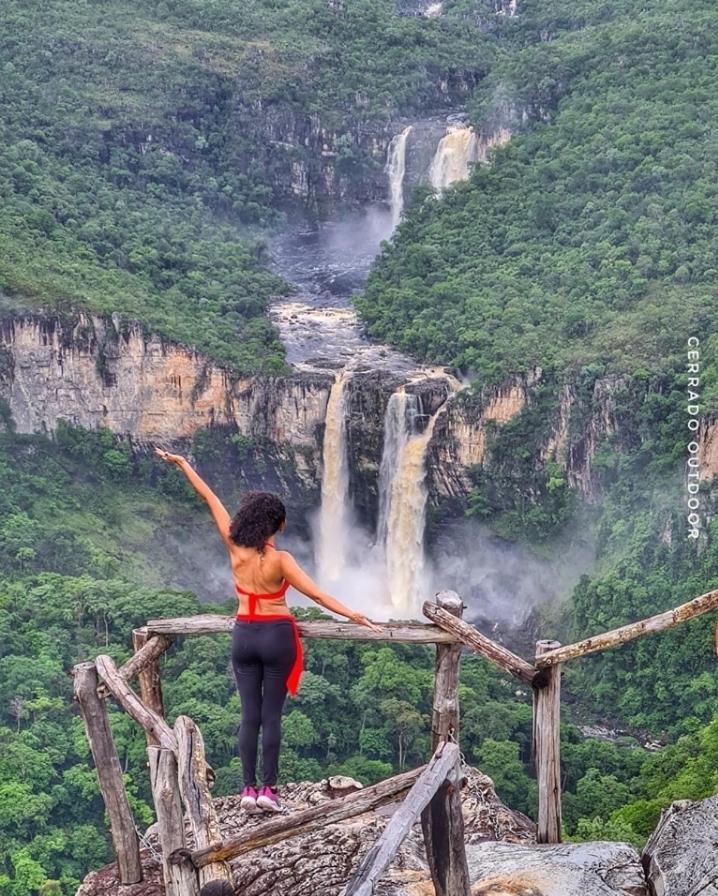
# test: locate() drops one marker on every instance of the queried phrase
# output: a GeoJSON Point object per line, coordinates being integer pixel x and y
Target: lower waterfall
{"type": "Point", "coordinates": [403, 494]}
{"type": "Point", "coordinates": [334, 519]}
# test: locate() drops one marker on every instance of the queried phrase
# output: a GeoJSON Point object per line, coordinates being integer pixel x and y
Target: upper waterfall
{"type": "Point", "coordinates": [395, 169]}
{"type": "Point", "coordinates": [333, 514]}
{"type": "Point", "coordinates": [456, 151]}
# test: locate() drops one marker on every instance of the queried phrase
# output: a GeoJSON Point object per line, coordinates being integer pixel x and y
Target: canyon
{"type": "Point", "coordinates": [367, 442]}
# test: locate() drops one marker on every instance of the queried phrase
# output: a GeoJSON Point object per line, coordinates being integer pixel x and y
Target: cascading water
{"type": "Point", "coordinates": [399, 419]}
{"type": "Point", "coordinates": [456, 151]}
{"type": "Point", "coordinates": [334, 519]}
{"type": "Point", "coordinates": [395, 169]}
{"type": "Point", "coordinates": [402, 512]}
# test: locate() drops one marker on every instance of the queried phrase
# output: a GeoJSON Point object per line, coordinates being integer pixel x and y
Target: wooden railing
{"type": "Point", "coordinates": [181, 778]}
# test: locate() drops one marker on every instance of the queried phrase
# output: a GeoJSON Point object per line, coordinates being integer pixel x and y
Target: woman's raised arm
{"type": "Point", "coordinates": [296, 577]}
{"type": "Point", "coordinates": [217, 508]}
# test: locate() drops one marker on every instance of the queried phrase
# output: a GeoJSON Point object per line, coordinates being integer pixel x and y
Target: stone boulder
{"type": "Point", "coordinates": [569, 869]}
{"type": "Point", "coordinates": [320, 864]}
{"type": "Point", "coordinates": [681, 856]}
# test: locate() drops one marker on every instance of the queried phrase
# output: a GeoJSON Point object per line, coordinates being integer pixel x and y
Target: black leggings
{"type": "Point", "coordinates": [263, 654]}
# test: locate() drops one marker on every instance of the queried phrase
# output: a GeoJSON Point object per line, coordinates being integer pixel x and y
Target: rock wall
{"type": "Point", "coordinates": [92, 372]}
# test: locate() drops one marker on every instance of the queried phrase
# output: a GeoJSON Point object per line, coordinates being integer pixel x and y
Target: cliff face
{"type": "Point", "coordinates": [91, 372]}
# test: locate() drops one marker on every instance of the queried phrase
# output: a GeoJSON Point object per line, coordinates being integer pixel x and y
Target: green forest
{"type": "Point", "coordinates": [141, 173]}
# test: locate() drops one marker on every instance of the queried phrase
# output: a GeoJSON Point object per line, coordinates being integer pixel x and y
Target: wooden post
{"type": "Point", "coordinates": [144, 716]}
{"type": "Point", "coordinates": [109, 773]}
{"type": "Point", "coordinates": [150, 683]}
{"type": "Point", "coordinates": [196, 798]}
{"type": "Point", "coordinates": [442, 821]}
{"type": "Point", "coordinates": [377, 860]}
{"type": "Point", "coordinates": [546, 748]}
{"type": "Point", "coordinates": [180, 877]}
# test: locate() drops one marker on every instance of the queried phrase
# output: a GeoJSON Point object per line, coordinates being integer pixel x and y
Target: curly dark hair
{"type": "Point", "coordinates": [259, 516]}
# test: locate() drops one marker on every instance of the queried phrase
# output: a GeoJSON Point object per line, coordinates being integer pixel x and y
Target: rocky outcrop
{"type": "Point", "coordinates": [707, 438]}
{"type": "Point", "coordinates": [320, 864]}
{"type": "Point", "coordinates": [580, 869]}
{"type": "Point", "coordinates": [680, 857]}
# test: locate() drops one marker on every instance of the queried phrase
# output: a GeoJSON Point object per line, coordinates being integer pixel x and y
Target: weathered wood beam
{"type": "Point", "coordinates": [154, 647]}
{"type": "Point", "coordinates": [703, 604]}
{"type": "Point", "coordinates": [148, 649]}
{"type": "Point", "coordinates": [211, 624]}
{"type": "Point", "coordinates": [546, 749]}
{"type": "Point", "coordinates": [306, 821]}
{"type": "Point", "coordinates": [131, 703]}
{"type": "Point", "coordinates": [472, 637]}
{"type": "Point", "coordinates": [149, 680]}
{"type": "Point", "coordinates": [379, 857]}
{"type": "Point", "coordinates": [442, 822]}
{"type": "Point", "coordinates": [180, 879]}
{"type": "Point", "coordinates": [109, 773]}
{"type": "Point", "coordinates": [196, 798]}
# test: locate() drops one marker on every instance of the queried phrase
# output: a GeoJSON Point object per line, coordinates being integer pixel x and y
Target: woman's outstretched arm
{"type": "Point", "coordinates": [296, 577]}
{"type": "Point", "coordinates": [217, 508]}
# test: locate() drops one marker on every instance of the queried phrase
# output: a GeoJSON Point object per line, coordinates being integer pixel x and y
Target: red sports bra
{"type": "Point", "coordinates": [296, 671]}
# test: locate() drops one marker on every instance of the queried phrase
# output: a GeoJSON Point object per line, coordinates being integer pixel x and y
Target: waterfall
{"type": "Point", "coordinates": [333, 515]}
{"type": "Point", "coordinates": [395, 169]}
{"type": "Point", "coordinates": [457, 149]}
{"type": "Point", "coordinates": [403, 494]}
{"type": "Point", "coordinates": [401, 412]}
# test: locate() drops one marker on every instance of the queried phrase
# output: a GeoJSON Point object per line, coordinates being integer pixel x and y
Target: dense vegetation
{"type": "Point", "coordinates": [591, 237]}
{"type": "Point", "coordinates": [143, 144]}
{"type": "Point", "coordinates": [137, 174]}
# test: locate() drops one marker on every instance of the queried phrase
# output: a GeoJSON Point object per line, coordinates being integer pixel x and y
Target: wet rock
{"type": "Point", "coordinates": [681, 856]}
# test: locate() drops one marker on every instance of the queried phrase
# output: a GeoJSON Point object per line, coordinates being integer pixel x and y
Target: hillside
{"type": "Point", "coordinates": [148, 155]}
{"type": "Point", "coordinates": [142, 148]}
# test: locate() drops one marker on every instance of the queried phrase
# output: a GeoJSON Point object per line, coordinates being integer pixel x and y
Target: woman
{"type": "Point", "coordinates": [266, 649]}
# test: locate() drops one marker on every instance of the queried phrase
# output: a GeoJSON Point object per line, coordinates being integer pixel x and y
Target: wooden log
{"type": "Point", "coordinates": [546, 749]}
{"type": "Point", "coordinates": [194, 790]}
{"type": "Point", "coordinates": [148, 648]}
{"type": "Point", "coordinates": [149, 680]}
{"type": "Point", "coordinates": [180, 878]}
{"type": "Point", "coordinates": [442, 822]}
{"type": "Point", "coordinates": [131, 703]}
{"type": "Point", "coordinates": [379, 857]}
{"type": "Point", "coordinates": [703, 604]}
{"type": "Point", "coordinates": [109, 773]}
{"type": "Point", "coordinates": [153, 648]}
{"type": "Point", "coordinates": [212, 624]}
{"type": "Point", "coordinates": [308, 820]}
{"type": "Point", "coordinates": [445, 715]}
{"type": "Point", "coordinates": [472, 637]}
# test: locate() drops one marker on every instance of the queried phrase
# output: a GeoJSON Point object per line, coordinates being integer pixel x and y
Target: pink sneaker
{"type": "Point", "coordinates": [268, 800]}
{"type": "Point", "coordinates": [249, 800]}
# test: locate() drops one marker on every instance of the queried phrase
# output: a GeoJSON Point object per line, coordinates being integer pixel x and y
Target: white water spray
{"type": "Point", "coordinates": [334, 522]}
{"type": "Point", "coordinates": [395, 169]}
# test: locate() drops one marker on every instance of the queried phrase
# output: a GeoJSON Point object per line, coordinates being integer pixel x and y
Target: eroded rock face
{"type": "Point", "coordinates": [320, 864]}
{"type": "Point", "coordinates": [681, 856]}
{"type": "Point", "coordinates": [570, 869]}
{"type": "Point", "coordinates": [93, 373]}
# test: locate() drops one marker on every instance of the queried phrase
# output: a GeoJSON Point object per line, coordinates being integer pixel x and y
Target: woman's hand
{"type": "Point", "coordinates": [170, 458]}
{"type": "Point", "coordinates": [361, 619]}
